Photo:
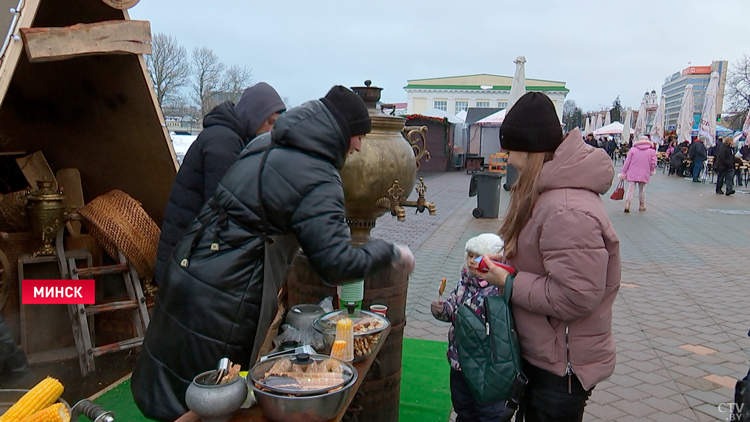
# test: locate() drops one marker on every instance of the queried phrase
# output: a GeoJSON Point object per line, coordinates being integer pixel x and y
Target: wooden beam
{"type": "Point", "coordinates": [111, 37]}
{"type": "Point", "coordinates": [121, 4]}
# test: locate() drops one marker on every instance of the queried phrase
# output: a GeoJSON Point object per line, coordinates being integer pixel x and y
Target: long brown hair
{"type": "Point", "coordinates": [523, 196]}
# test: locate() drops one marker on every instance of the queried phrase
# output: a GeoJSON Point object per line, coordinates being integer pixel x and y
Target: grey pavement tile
{"type": "Point", "coordinates": [665, 405]}
{"type": "Point", "coordinates": [712, 411]}
{"type": "Point", "coordinates": [709, 397]}
{"type": "Point", "coordinates": [634, 408]}
{"type": "Point", "coordinates": [660, 391]}
{"type": "Point", "coordinates": [606, 413]}
{"type": "Point", "coordinates": [668, 417]}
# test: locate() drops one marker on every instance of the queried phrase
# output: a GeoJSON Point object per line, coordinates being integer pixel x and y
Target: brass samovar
{"type": "Point", "coordinates": [46, 212]}
{"type": "Point", "coordinates": [380, 177]}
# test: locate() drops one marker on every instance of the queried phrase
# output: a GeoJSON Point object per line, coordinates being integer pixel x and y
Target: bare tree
{"type": "Point", "coordinates": [168, 66]}
{"type": "Point", "coordinates": [738, 84]}
{"type": "Point", "coordinates": [207, 78]}
{"type": "Point", "coordinates": [236, 79]}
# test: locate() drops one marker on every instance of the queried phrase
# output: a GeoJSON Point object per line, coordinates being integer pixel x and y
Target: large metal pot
{"type": "Point", "coordinates": [215, 403]}
{"type": "Point", "coordinates": [280, 407]}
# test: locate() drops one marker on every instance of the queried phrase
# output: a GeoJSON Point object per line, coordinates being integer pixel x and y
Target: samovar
{"type": "Point", "coordinates": [46, 212]}
{"type": "Point", "coordinates": [381, 175]}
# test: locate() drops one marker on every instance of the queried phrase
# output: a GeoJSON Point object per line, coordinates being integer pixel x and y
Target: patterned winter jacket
{"type": "Point", "coordinates": [470, 290]}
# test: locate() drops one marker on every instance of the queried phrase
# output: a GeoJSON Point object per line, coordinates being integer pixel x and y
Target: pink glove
{"type": "Point", "coordinates": [622, 176]}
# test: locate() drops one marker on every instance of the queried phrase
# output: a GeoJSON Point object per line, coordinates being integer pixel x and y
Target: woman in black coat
{"type": "Point", "coordinates": [218, 295]}
{"type": "Point", "coordinates": [724, 165]}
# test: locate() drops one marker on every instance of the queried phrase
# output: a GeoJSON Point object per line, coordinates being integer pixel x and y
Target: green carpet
{"type": "Point", "coordinates": [425, 389]}
{"type": "Point", "coordinates": [120, 401]}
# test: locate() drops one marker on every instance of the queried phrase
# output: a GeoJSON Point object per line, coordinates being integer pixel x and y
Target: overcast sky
{"type": "Point", "coordinates": [600, 48]}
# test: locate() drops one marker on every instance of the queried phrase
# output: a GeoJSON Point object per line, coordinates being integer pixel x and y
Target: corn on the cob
{"type": "Point", "coordinates": [55, 413]}
{"type": "Point", "coordinates": [339, 349]}
{"type": "Point", "coordinates": [345, 332]}
{"type": "Point", "coordinates": [42, 395]}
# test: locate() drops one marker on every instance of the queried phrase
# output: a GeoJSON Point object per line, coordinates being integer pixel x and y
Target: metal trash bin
{"type": "Point", "coordinates": [486, 187]}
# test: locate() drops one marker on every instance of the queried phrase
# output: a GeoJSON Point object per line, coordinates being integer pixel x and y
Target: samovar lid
{"type": "Point", "coordinates": [44, 192]}
{"type": "Point", "coordinates": [369, 94]}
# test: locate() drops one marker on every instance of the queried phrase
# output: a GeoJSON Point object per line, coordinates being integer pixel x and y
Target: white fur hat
{"type": "Point", "coordinates": [485, 243]}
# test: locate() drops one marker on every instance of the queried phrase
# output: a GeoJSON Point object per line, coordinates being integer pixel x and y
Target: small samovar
{"type": "Point", "coordinates": [46, 212]}
{"type": "Point", "coordinates": [380, 177]}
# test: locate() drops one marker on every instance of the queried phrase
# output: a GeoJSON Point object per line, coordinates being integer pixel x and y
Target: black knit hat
{"type": "Point", "coordinates": [356, 119]}
{"type": "Point", "coordinates": [531, 125]}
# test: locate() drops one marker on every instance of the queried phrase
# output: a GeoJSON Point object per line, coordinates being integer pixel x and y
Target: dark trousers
{"type": "Point", "coordinates": [728, 177]}
{"type": "Point", "coordinates": [697, 168]}
{"type": "Point", "coordinates": [550, 398]}
{"type": "Point", "coordinates": [14, 368]}
{"type": "Point", "coordinates": [466, 407]}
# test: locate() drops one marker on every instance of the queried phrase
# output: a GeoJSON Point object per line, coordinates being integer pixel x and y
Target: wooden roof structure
{"type": "Point", "coordinates": [74, 84]}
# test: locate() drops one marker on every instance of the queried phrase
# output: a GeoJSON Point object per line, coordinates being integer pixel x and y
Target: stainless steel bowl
{"type": "Point", "coordinates": [372, 338]}
{"type": "Point", "coordinates": [320, 408]}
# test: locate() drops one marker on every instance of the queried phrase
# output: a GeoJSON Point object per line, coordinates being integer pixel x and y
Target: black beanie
{"type": "Point", "coordinates": [531, 125]}
{"type": "Point", "coordinates": [351, 107]}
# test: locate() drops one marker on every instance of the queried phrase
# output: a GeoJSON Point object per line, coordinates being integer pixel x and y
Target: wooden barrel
{"type": "Point", "coordinates": [379, 395]}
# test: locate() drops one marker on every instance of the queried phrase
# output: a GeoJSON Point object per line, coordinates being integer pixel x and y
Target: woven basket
{"type": "Point", "coordinates": [118, 221]}
{"type": "Point", "coordinates": [12, 218]}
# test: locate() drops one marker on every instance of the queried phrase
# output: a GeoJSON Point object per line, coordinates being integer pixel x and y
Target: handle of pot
{"type": "Point", "coordinates": [391, 107]}
{"type": "Point", "coordinates": [92, 411]}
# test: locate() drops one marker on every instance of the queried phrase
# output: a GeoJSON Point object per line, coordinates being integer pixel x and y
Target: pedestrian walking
{"type": "Point", "coordinates": [226, 130]}
{"type": "Point", "coordinates": [561, 241]}
{"type": "Point", "coordinates": [698, 154]}
{"type": "Point", "coordinates": [471, 290]}
{"type": "Point", "coordinates": [219, 292]}
{"type": "Point", "coordinates": [724, 166]}
{"type": "Point", "coordinates": [637, 170]}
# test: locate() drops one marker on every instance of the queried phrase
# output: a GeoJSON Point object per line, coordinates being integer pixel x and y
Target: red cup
{"type": "Point", "coordinates": [379, 309]}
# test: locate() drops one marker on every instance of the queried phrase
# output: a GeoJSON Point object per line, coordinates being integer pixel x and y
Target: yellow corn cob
{"type": "Point", "coordinates": [42, 395]}
{"type": "Point", "coordinates": [55, 413]}
{"type": "Point", "coordinates": [338, 349]}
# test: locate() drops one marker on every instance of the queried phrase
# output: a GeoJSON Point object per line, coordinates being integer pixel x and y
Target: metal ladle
{"type": "Point", "coordinates": [221, 369]}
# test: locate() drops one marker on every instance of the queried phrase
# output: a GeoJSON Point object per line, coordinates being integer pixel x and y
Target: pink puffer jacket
{"type": "Point", "coordinates": [568, 262]}
{"type": "Point", "coordinates": [641, 162]}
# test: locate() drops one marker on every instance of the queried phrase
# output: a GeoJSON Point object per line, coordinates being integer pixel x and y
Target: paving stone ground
{"type": "Point", "coordinates": [683, 311]}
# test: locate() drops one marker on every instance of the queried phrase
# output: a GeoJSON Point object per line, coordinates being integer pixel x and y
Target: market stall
{"type": "Point", "coordinates": [77, 109]}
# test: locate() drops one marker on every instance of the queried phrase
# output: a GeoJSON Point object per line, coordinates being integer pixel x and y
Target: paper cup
{"type": "Point", "coordinates": [379, 309]}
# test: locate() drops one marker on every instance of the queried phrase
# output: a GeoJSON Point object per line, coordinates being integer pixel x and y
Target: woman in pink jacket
{"type": "Point", "coordinates": [638, 168]}
{"type": "Point", "coordinates": [562, 244]}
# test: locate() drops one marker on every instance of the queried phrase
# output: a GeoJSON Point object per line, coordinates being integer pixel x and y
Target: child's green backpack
{"type": "Point", "coordinates": [489, 352]}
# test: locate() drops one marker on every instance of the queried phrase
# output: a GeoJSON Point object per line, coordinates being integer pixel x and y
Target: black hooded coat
{"type": "Point", "coordinates": [227, 130]}
{"type": "Point", "coordinates": [219, 303]}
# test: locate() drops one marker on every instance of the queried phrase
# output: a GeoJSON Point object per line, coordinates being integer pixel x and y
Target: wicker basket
{"type": "Point", "coordinates": [118, 221]}
{"type": "Point", "coordinates": [12, 218]}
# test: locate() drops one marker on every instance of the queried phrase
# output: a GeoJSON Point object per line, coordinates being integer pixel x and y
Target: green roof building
{"type": "Point", "coordinates": [456, 93]}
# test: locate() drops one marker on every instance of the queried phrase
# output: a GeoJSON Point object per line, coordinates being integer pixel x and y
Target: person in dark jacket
{"type": "Point", "coordinates": [226, 130]}
{"type": "Point", "coordinates": [697, 152]}
{"type": "Point", "coordinates": [724, 165]}
{"type": "Point", "coordinates": [677, 162]}
{"type": "Point", "coordinates": [745, 151]}
{"type": "Point", "coordinates": [591, 141]}
{"type": "Point", "coordinates": [218, 295]}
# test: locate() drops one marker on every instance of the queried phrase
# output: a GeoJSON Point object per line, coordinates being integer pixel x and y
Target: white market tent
{"type": "Point", "coordinates": [610, 129]}
{"type": "Point", "coordinates": [440, 114]}
{"type": "Point", "coordinates": [495, 119]}
{"type": "Point", "coordinates": [462, 115]}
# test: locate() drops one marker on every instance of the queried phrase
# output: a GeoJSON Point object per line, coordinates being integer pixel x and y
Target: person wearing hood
{"type": "Point", "coordinates": [638, 169]}
{"type": "Point", "coordinates": [219, 293]}
{"type": "Point", "coordinates": [566, 253]}
{"type": "Point", "coordinates": [471, 290]}
{"type": "Point", "coordinates": [724, 166]}
{"type": "Point", "coordinates": [227, 129]}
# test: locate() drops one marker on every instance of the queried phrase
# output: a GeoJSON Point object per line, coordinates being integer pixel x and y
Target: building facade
{"type": "Point", "coordinates": [456, 93]}
{"type": "Point", "coordinates": [698, 76]}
